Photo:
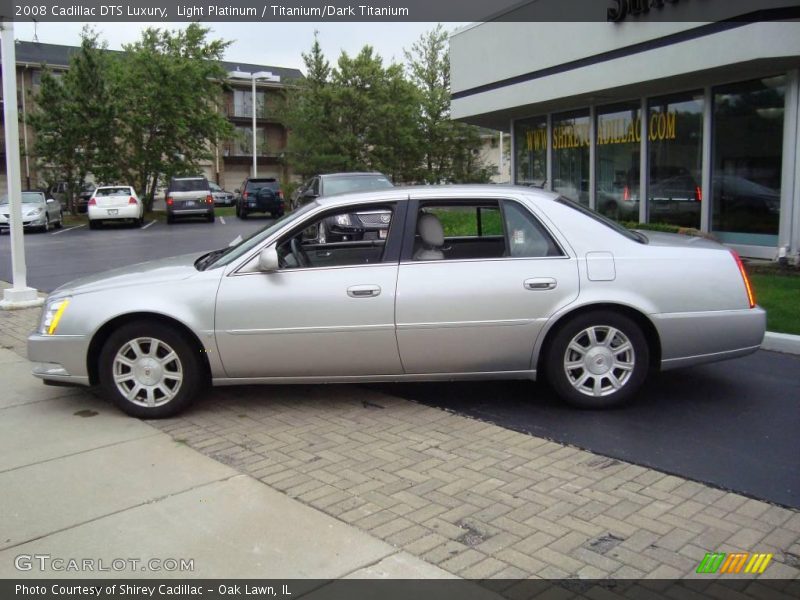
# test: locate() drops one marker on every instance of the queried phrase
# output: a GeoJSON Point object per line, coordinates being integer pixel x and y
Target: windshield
{"type": "Point", "coordinates": [234, 252]}
{"type": "Point", "coordinates": [189, 185]}
{"type": "Point", "coordinates": [631, 235]}
{"type": "Point", "coordinates": [360, 183]}
{"type": "Point", "coordinates": [27, 198]}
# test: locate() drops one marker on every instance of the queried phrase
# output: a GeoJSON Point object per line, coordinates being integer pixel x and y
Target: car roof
{"type": "Point", "coordinates": [353, 174]}
{"type": "Point", "coordinates": [444, 191]}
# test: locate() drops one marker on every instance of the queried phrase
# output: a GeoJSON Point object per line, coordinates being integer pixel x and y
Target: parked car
{"type": "Point", "coordinates": [550, 288]}
{"type": "Point", "coordinates": [59, 191]}
{"type": "Point", "coordinates": [189, 197]}
{"type": "Point", "coordinates": [260, 195]}
{"type": "Point", "coordinates": [114, 203]}
{"type": "Point", "coordinates": [38, 212]}
{"type": "Point", "coordinates": [221, 197]}
{"type": "Point", "coordinates": [355, 226]}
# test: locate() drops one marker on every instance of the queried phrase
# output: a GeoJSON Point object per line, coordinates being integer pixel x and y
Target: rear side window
{"type": "Point", "coordinates": [526, 236]}
{"type": "Point", "coordinates": [189, 185]}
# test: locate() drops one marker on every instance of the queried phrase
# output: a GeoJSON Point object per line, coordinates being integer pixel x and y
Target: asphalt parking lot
{"type": "Point", "coordinates": [62, 255]}
{"type": "Point", "coordinates": [733, 424]}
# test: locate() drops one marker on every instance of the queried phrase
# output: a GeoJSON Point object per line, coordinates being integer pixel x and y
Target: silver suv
{"type": "Point", "coordinates": [189, 197]}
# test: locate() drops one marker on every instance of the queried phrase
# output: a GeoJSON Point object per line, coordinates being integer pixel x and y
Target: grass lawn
{"type": "Point", "coordinates": [780, 296]}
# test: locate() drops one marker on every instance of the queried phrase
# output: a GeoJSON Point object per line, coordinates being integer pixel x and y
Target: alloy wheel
{"type": "Point", "coordinates": [599, 361]}
{"type": "Point", "coordinates": [147, 372]}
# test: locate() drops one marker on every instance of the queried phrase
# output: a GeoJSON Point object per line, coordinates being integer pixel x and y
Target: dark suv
{"type": "Point", "coordinates": [260, 195]}
{"type": "Point", "coordinates": [189, 197]}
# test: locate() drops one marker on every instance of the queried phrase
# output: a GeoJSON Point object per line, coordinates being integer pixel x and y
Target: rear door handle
{"type": "Point", "coordinates": [364, 291]}
{"type": "Point", "coordinates": [540, 283]}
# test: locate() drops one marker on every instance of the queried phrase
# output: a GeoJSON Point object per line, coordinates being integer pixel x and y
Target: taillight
{"type": "Point", "coordinates": [209, 199]}
{"type": "Point", "coordinates": [698, 194]}
{"type": "Point", "coordinates": [92, 202]}
{"type": "Point", "coordinates": [626, 194]}
{"type": "Point", "coordinates": [132, 200]}
{"type": "Point", "coordinates": [170, 201]}
{"type": "Point", "coordinates": [244, 195]}
{"type": "Point", "coordinates": [750, 296]}
{"type": "Point", "coordinates": [280, 194]}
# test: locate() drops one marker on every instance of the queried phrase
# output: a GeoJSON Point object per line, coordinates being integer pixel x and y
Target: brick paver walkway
{"type": "Point", "coordinates": [474, 498]}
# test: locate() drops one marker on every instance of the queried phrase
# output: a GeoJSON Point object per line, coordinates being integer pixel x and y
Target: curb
{"type": "Point", "coordinates": [781, 342]}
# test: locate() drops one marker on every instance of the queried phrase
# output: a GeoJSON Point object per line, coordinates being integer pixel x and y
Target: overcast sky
{"type": "Point", "coordinates": [276, 44]}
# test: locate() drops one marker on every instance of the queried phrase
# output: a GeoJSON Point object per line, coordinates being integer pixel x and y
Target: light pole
{"type": "Point", "coordinates": [19, 295]}
{"type": "Point", "coordinates": [258, 75]}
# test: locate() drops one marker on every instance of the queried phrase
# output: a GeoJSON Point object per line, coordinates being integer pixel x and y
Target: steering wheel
{"type": "Point", "coordinates": [299, 254]}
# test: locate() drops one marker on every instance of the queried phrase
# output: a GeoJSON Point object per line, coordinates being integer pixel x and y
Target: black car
{"type": "Point", "coordinates": [260, 195]}
{"type": "Point", "coordinates": [189, 197]}
{"type": "Point", "coordinates": [349, 227]}
{"type": "Point", "coordinates": [82, 201]}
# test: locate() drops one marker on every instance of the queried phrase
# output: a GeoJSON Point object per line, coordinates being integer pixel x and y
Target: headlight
{"type": "Point", "coordinates": [34, 212]}
{"type": "Point", "coordinates": [343, 220]}
{"type": "Point", "coordinates": [52, 314]}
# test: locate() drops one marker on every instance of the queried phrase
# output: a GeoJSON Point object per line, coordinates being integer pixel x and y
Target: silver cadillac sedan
{"type": "Point", "coordinates": [470, 282]}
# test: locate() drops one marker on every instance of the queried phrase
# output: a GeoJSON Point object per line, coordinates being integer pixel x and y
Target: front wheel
{"type": "Point", "coordinates": [598, 360]}
{"type": "Point", "coordinates": [150, 370]}
{"type": "Point", "coordinates": [60, 222]}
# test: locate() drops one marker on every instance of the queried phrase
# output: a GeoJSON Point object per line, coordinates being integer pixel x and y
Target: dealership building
{"type": "Point", "coordinates": [687, 123]}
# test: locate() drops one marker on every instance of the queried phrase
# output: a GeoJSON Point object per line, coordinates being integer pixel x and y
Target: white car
{"type": "Point", "coordinates": [115, 203]}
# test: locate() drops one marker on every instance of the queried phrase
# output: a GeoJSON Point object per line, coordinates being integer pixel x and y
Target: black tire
{"type": "Point", "coordinates": [60, 223]}
{"type": "Point", "coordinates": [46, 227]}
{"type": "Point", "coordinates": [210, 218]}
{"type": "Point", "coordinates": [170, 219]}
{"type": "Point", "coordinates": [630, 380]}
{"type": "Point", "coordinates": [93, 224]}
{"type": "Point", "coordinates": [243, 214]}
{"type": "Point", "coordinates": [188, 359]}
{"type": "Point", "coordinates": [139, 222]}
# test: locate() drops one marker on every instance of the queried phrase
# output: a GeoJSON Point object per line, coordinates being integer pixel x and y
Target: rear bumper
{"type": "Point", "coordinates": [98, 213]}
{"type": "Point", "coordinates": [59, 357]}
{"type": "Point", "coordinates": [701, 337]}
{"type": "Point", "coordinates": [188, 212]}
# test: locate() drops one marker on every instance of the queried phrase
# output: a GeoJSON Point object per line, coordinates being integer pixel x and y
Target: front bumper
{"type": "Point", "coordinates": [27, 222]}
{"type": "Point", "coordinates": [59, 357]}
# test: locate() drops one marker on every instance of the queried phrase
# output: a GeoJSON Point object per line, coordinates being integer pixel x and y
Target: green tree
{"type": "Point", "coordinates": [450, 149]}
{"type": "Point", "coordinates": [168, 86]}
{"type": "Point", "coordinates": [73, 118]}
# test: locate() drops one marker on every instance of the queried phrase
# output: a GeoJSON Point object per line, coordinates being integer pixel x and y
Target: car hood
{"type": "Point", "coordinates": [162, 270]}
{"type": "Point", "coordinates": [659, 238]}
{"type": "Point", "coordinates": [5, 209]}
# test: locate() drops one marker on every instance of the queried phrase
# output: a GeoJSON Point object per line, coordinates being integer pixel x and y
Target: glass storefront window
{"type": "Point", "coordinates": [571, 156]}
{"type": "Point", "coordinates": [675, 138]}
{"type": "Point", "coordinates": [747, 160]}
{"type": "Point", "coordinates": [618, 151]}
{"type": "Point", "coordinates": [530, 144]}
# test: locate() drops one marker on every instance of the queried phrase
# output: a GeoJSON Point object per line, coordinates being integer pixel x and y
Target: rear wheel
{"type": "Point", "coordinates": [597, 360]}
{"type": "Point", "coordinates": [170, 219]}
{"type": "Point", "coordinates": [150, 370]}
{"type": "Point", "coordinates": [93, 224]}
{"type": "Point", "coordinates": [242, 214]}
{"type": "Point", "coordinates": [210, 218]}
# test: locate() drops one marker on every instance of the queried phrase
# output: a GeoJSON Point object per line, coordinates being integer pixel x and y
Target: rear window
{"type": "Point", "coordinates": [113, 191]}
{"type": "Point", "coordinates": [189, 185]}
{"type": "Point", "coordinates": [631, 235]}
{"type": "Point", "coordinates": [257, 184]}
{"type": "Point", "coordinates": [361, 183]}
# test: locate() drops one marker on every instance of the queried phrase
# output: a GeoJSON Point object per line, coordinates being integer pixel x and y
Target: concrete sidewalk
{"type": "Point", "coordinates": [336, 481]}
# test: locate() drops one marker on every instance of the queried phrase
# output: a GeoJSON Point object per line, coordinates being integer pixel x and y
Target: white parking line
{"type": "Point", "coordinates": [65, 230]}
{"type": "Point", "coordinates": [148, 225]}
{"type": "Point", "coordinates": [222, 220]}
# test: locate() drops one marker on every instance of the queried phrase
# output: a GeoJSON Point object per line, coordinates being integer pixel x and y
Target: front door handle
{"type": "Point", "coordinates": [540, 283]}
{"type": "Point", "coordinates": [364, 291]}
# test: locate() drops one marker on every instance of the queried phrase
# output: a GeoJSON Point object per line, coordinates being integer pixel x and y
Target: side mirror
{"type": "Point", "coordinates": [309, 194]}
{"type": "Point", "coordinates": [50, 200]}
{"type": "Point", "coordinates": [268, 260]}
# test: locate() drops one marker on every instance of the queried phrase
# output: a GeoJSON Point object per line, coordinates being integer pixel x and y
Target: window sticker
{"type": "Point", "coordinates": [518, 237]}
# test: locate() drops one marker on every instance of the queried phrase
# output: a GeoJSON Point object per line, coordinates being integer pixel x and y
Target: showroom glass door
{"type": "Point", "coordinates": [747, 160]}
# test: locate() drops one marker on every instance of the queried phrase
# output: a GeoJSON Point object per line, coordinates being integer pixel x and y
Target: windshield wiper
{"type": "Point", "coordinates": [204, 261]}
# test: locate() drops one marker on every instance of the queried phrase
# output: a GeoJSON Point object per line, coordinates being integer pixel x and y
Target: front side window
{"type": "Point", "coordinates": [346, 237]}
